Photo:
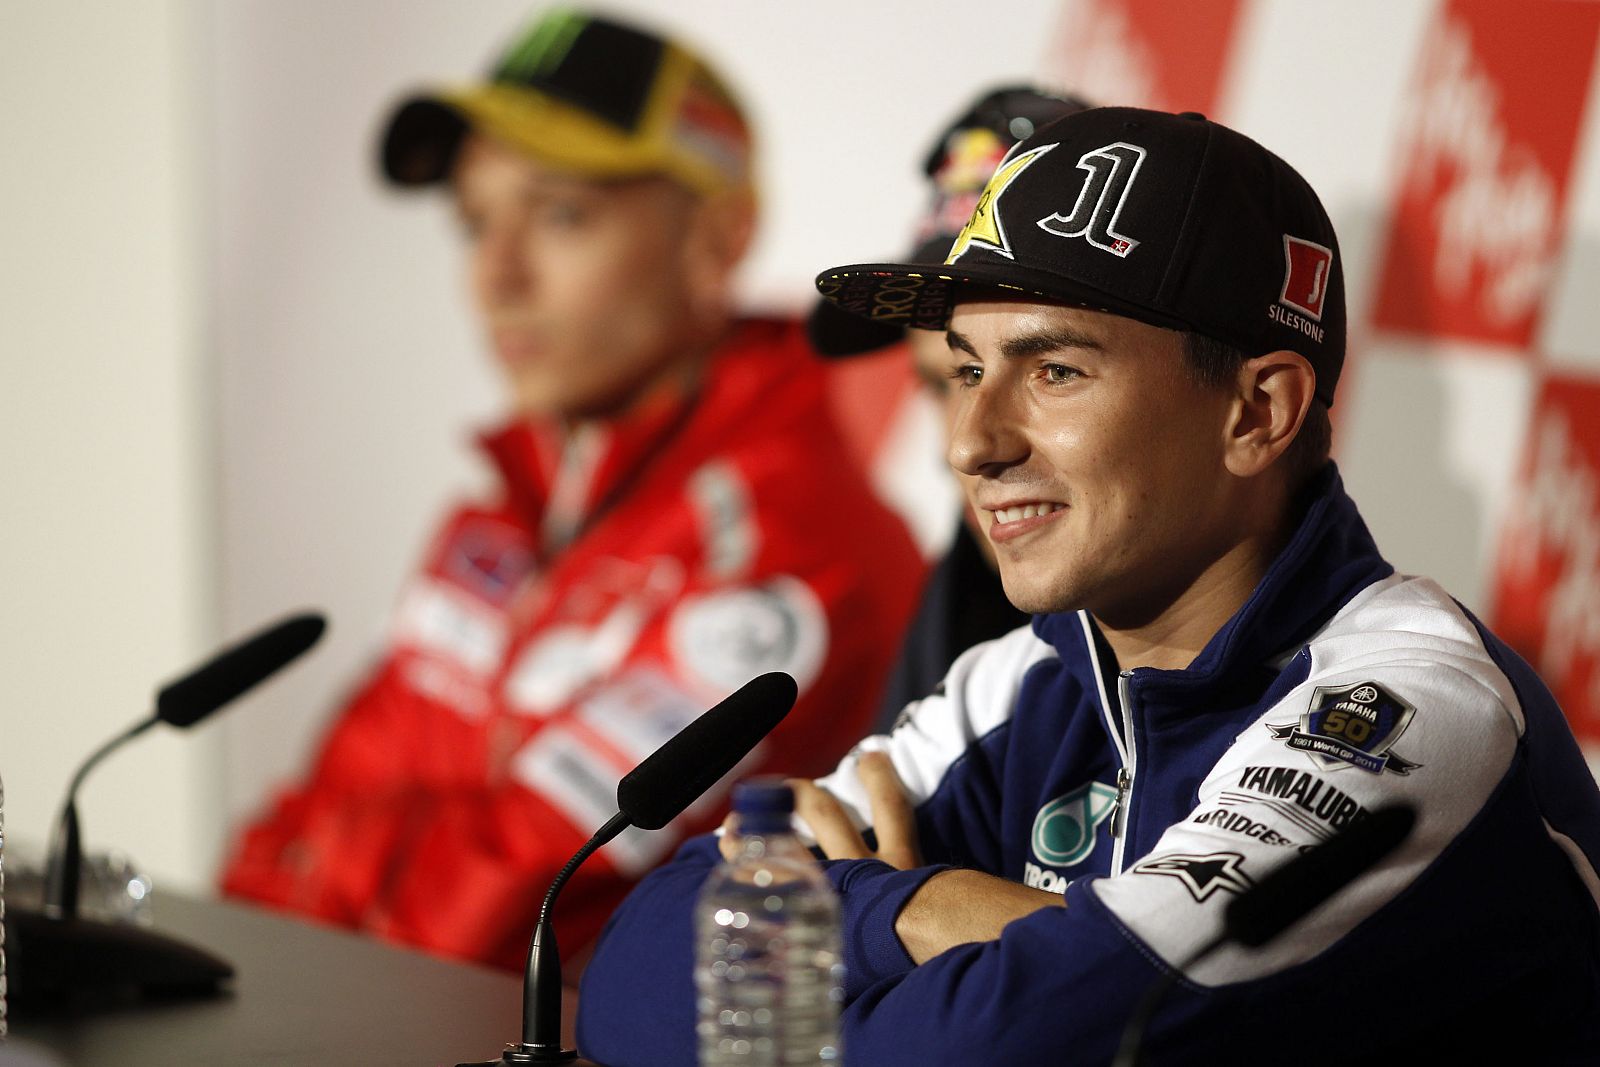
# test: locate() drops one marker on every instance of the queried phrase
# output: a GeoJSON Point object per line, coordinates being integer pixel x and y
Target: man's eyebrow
{"type": "Point", "coordinates": [1043, 342]}
{"type": "Point", "coordinates": [1031, 344]}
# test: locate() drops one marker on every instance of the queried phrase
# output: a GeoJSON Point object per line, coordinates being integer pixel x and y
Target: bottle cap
{"type": "Point", "coordinates": [767, 795]}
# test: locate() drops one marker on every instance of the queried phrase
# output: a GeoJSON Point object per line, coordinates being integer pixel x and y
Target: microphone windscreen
{"type": "Point", "coordinates": [676, 774]}
{"type": "Point", "coordinates": [234, 670]}
{"type": "Point", "coordinates": [1289, 893]}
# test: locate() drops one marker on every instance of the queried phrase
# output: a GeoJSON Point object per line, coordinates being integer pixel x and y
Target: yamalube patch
{"type": "Point", "coordinates": [1351, 726]}
{"type": "Point", "coordinates": [725, 638]}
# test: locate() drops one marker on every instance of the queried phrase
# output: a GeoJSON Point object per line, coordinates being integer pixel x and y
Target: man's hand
{"type": "Point", "coordinates": [836, 835]}
{"type": "Point", "coordinates": [892, 819]}
{"type": "Point", "coordinates": [953, 907]}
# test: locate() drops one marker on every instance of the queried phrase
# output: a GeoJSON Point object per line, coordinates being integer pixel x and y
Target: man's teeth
{"type": "Point", "coordinates": [1026, 511]}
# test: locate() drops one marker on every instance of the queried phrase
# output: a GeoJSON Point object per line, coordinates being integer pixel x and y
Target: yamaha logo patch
{"type": "Point", "coordinates": [1351, 726]}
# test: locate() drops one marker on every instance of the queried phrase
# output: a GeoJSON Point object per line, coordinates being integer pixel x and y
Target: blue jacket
{"type": "Point", "coordinates": [1151, 797]}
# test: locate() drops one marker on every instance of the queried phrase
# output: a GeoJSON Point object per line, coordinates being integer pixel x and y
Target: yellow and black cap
{"type": "Point", "coordinates": [1172, 220]}
{"type": "Point", "coordinates": [590, 95]}
{"type": "Point", "coordinates": [957, 167]}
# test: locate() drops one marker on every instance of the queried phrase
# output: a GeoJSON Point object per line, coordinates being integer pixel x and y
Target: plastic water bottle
{"type": "Point", "coordinates": [768, 975]}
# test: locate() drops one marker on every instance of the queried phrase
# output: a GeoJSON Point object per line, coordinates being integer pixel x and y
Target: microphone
{"type": "Point", "coordinates": [181, 703]}
{"type": "Point", "coordinates": [58, 952]}
{"type": "Point", "coordinates": [649, 796]}
{"type": "Point", "coordinates": [1282, 898]}
{"type": "Point", "coordinates": [237, 669]}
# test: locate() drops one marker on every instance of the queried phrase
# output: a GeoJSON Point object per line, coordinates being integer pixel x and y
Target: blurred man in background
{"type": "Point", "coordinates": [962, 602]}
{"type": "Point", "coordinates": [677, 516]}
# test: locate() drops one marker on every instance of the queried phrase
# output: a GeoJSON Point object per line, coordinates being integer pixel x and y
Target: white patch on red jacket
{"type": "Point", "coordinates": [611, 611]}
{"type": "Point", "coordinates": [721, 501]}
{"type": "Point", "coordinates": [724, 638]}
{"type": "Point", "coordinates": [576, 762]}
{"type": "Point", "coordinates": [440, 620]}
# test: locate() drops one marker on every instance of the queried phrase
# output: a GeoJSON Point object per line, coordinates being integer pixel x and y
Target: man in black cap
{"type": "Point", "coordinates": [1145, 318]}
{"type": "Point", "coordinates": [657, 540]}
{"type": "Point", "coordinates": [962, 601]}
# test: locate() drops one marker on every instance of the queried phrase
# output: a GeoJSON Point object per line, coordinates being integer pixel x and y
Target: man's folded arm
{"type": "Point", "coordinates": [638, 1005]}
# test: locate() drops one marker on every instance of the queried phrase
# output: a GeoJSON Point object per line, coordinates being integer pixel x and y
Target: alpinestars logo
{"type": "Point", "coordinates": [1202, 876]}
{"type": "Point", "coordinates": [1112, 169]}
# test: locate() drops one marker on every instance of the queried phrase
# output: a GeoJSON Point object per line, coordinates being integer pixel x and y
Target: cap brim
{"type": "Point", "coordinates": [420, 144]}
{"type": "Point", "coordinates": [921, 297]}
{"type": "Point", "coordinates": [837, 334]}
{"type": "Point", "coordinates": [423, 137]}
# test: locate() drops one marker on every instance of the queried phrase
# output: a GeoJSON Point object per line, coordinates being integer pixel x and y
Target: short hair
{"type": "Point", "coordinates": [1214, 364]}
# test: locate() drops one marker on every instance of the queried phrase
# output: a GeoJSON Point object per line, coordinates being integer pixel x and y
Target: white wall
{"type": "Point", "coordinates": [104, 424]}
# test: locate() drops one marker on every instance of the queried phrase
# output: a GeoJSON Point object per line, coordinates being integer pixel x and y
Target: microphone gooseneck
{"type": "Point", "coordinates": [181, 703]}
{"type": "Point", "coordinates": [1279, 900]}
{"type": "Point", "coordinates": [65, 862]}
{"type": "Point", "coordinates": [649, 796]}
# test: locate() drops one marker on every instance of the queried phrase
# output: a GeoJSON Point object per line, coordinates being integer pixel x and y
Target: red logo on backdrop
{"type": "Point", "coordinates": [1144, 53]}
{"type": "Point", "coordinates": [1547, 589]}
{"type": "Point", "coordinates": [1306, 266]}
{"type": "Point", "coordinates": [1491, 128]}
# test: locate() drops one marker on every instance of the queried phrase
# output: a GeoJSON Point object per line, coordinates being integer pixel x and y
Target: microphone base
{"type": "Point", "coordinates": [528, 1054]}
{"type": "Point", "coordinates": [81, 963]}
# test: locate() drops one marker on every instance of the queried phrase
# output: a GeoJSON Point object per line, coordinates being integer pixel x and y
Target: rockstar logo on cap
{"type": "Point", "coordinates": [984, 229]}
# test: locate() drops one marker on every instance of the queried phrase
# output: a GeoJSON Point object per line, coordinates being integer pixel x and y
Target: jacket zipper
{"type": "Point", "coordinates": [1125, 773]}
{"type": "Point", "coordinates": [1121, 739]}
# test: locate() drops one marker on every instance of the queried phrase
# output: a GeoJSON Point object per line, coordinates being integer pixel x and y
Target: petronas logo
{"type": "Point", "coordinates": [1064, 829]}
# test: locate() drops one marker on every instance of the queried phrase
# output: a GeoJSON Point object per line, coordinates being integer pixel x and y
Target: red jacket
{"type": "Point", "coordinates": [624, 584]}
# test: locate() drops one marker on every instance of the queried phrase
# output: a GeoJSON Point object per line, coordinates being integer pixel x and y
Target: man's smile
{"type": "Point", "coordinates": [1016, 518]}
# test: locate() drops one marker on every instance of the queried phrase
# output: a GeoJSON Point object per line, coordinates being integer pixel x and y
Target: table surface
{"type": "Point", "coordinates": [302, 995]}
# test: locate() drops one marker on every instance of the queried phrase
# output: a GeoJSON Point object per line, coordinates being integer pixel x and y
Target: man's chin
{"type": "Point", "coordinates": [1034, 596]}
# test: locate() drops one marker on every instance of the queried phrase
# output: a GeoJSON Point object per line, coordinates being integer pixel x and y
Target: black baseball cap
{"type": "Point", "coordinates": [1173, 220]}
{"type": "Point", "coordinates": [957, 167]}
{"type": "Point", "coordinates": [589, 94]}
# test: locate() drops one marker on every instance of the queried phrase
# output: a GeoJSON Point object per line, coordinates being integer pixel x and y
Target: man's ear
{"type": "Point", "coordinates": [1274, 393]}
{"type": "Point", "coordinates": [721, 228]}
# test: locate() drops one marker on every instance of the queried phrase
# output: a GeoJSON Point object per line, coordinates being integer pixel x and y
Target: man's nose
{"type": "Point", "coordinates": [986, 432]}
{"type": "Point", "coordinates": [501, 264]}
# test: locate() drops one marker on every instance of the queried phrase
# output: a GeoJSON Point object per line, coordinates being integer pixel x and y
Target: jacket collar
{"type": "Point", "coordinates": [557, 482]}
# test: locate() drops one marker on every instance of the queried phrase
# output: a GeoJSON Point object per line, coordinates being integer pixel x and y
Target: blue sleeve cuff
{"type": "Point", "coordinates": [871, 896]}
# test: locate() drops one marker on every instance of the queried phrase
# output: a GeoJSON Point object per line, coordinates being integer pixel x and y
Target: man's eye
{"type": "Point", "coordinates": [563, 213]}
{"type": "Point", "coordinates": [1058, 373]}
{"type": "Point", "coordinates": [967, 375]}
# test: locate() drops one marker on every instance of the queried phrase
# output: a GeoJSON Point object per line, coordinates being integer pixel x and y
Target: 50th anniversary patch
{"type": "Point", "coordinates": [1351, 726]}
